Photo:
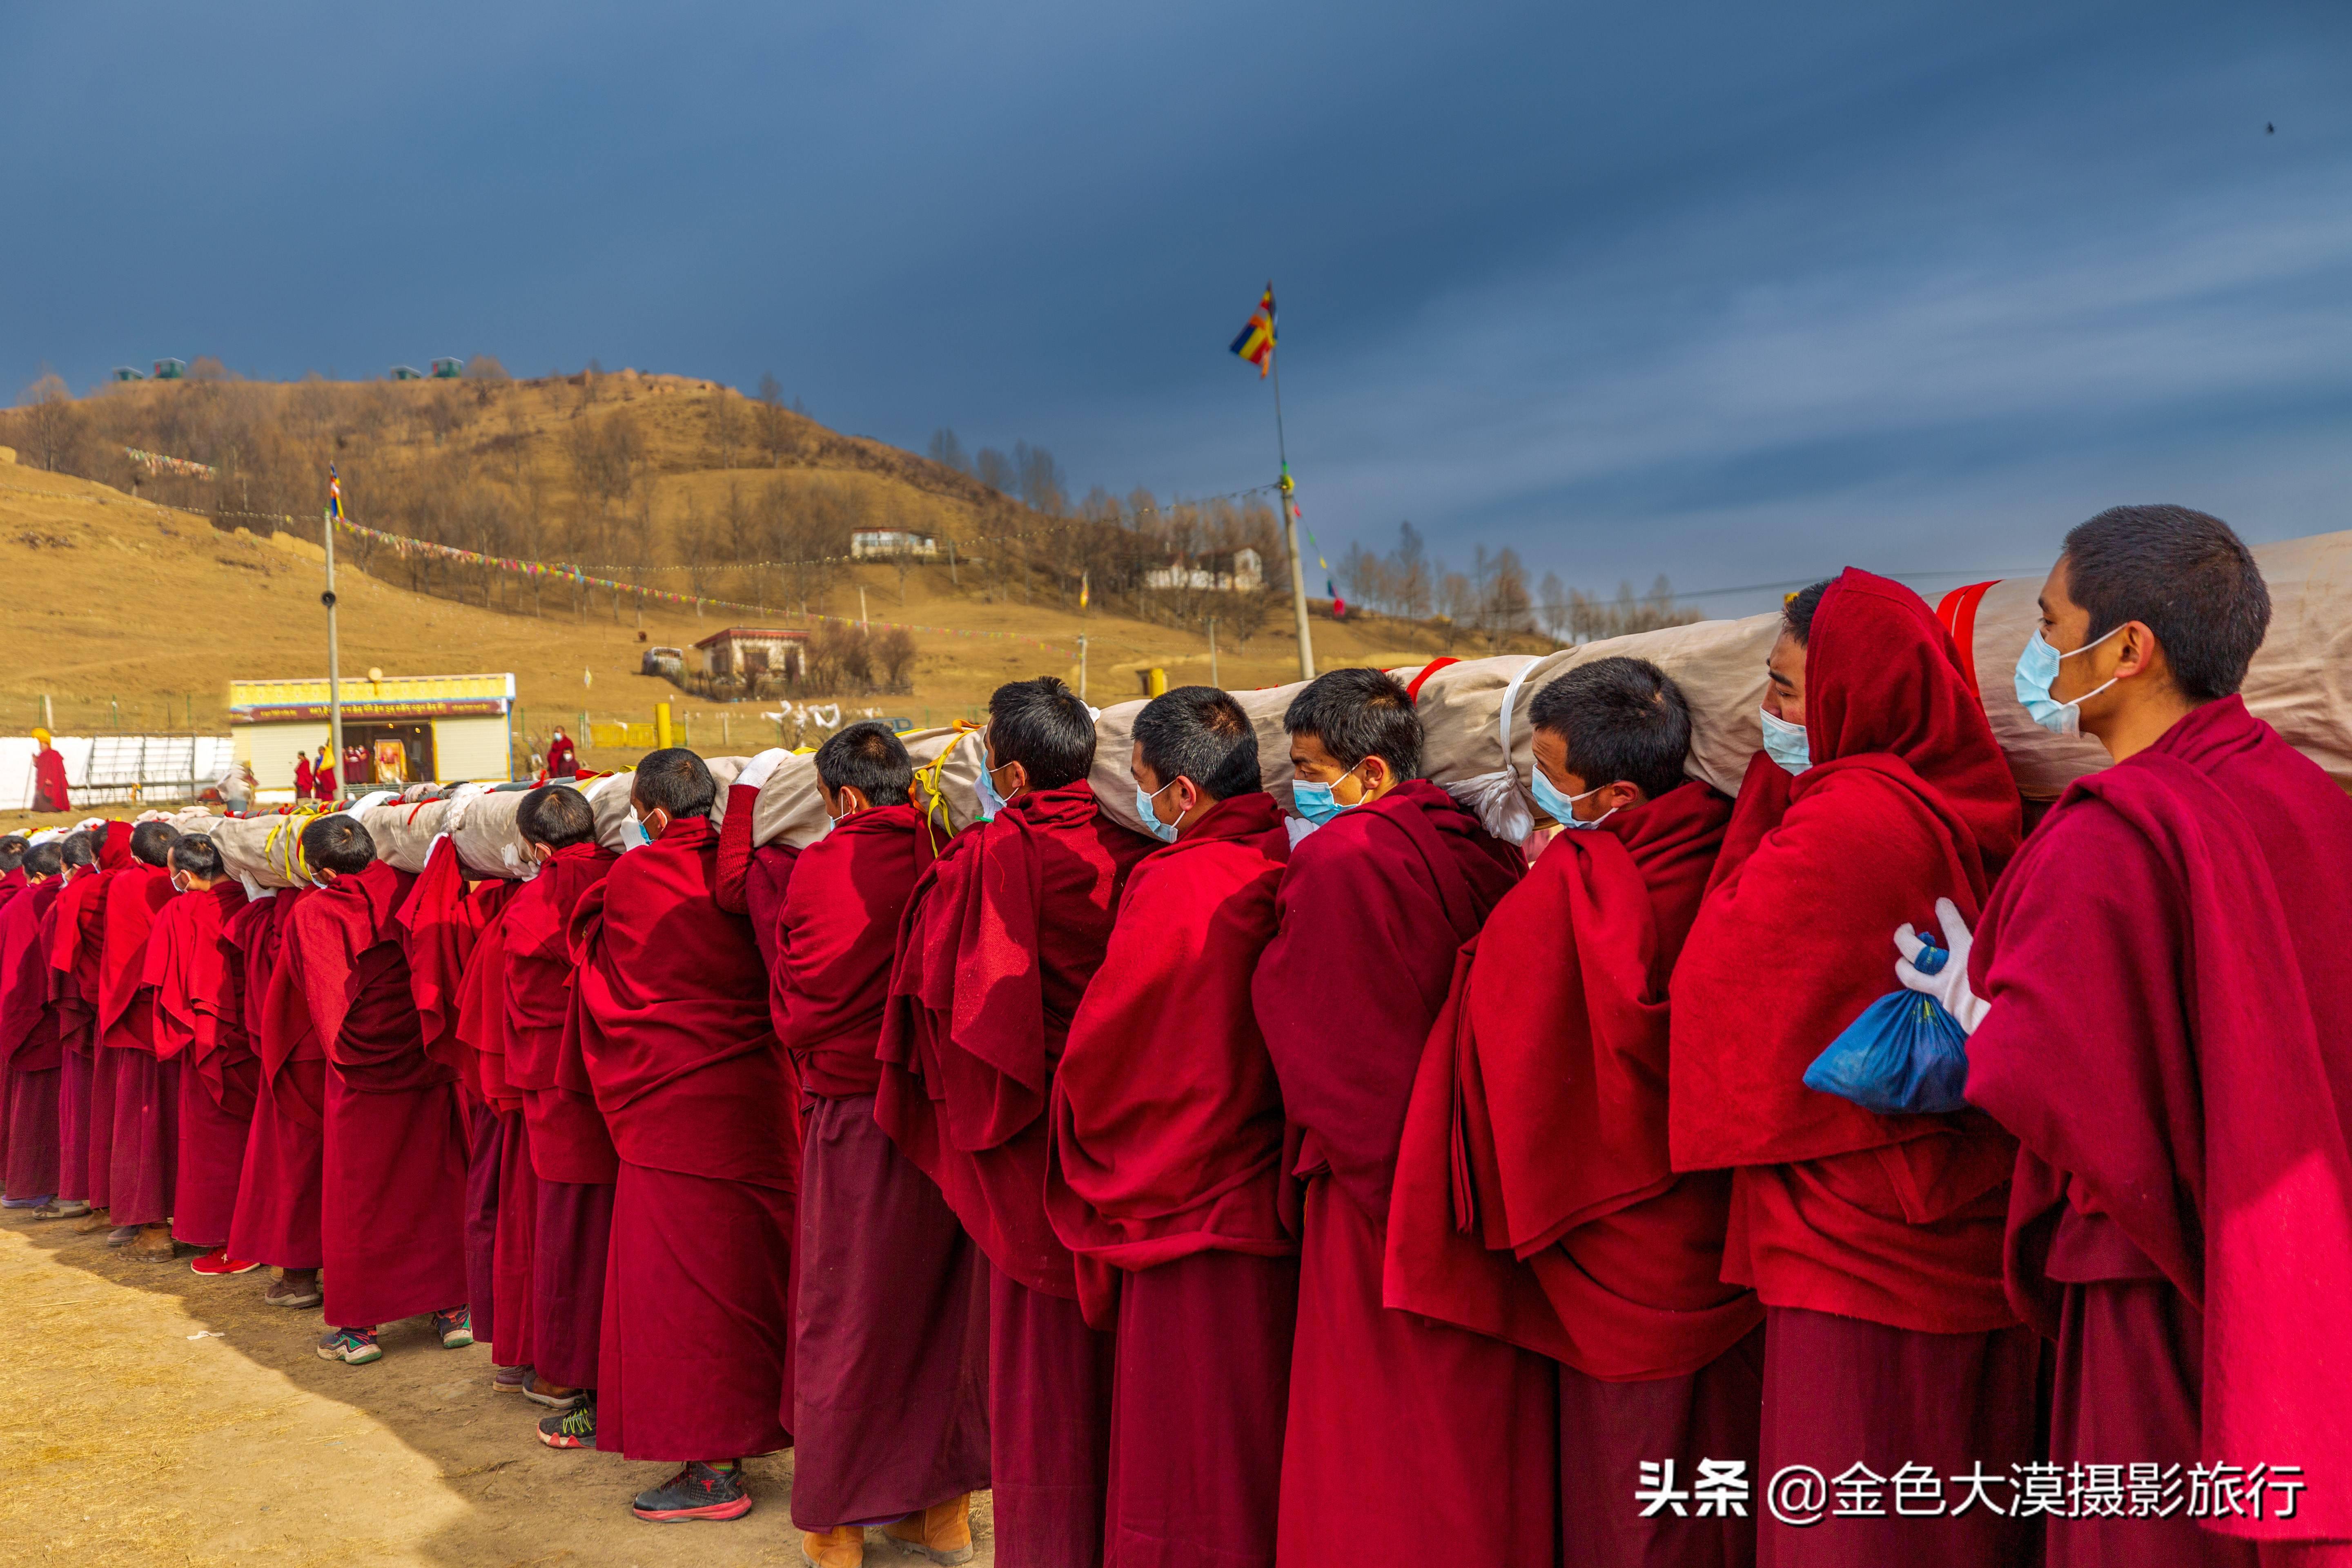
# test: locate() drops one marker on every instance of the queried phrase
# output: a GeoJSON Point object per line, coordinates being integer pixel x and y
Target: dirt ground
{"type": "Point", "coordinates": [151, 1416]}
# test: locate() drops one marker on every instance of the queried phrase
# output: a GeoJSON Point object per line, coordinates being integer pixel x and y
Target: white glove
{"type": "Point", "coordinates": [758, 770]}
{"type": "Point", "coordinates": [1949, 985]}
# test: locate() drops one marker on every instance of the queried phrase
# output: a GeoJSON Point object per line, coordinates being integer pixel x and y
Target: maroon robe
{"type": "Point", "coordinates": [1166, 1179]}
{"type": "Point", "coordinates": [28, 1043]}
{"type": "Point", "coordinates": [392, 1183]}
{"type": "Point", "coordinates": [889, 1335]}
{"type": "Point", "coordinates": [1000, 936]}
{"type": "Point", "coordinates": [197, 973]}
{"type": "Point", "coordinates": [2167, 1037]}
{"type": "Point", "coordinates": [86, 1098]}
{"type": "Point", "coordinates": [570, 1152]}
{"type": "Point", "coordinates": [1535, 1200]}
{"type": "Point", "coordinates": [1375, 905]}
{"type": "Point", "coordinates": [1858, 1229]}
{"type": "Point", "coordinates": [669, 1005]}
{"type": "Point", "coordinates": [481, 1030]}
{"type": "Point", "coordinates": [276, 1219]}
{"type": "Point", "coordinates": [145, 1145]}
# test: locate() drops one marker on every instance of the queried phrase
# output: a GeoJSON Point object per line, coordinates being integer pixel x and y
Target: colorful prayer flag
{"type": "Point", "coordinates": [334, 493]}
{"type": "Point", "coordinates": [1256, 342]}
{"type": "Point", "coordinates": [1083, 583]}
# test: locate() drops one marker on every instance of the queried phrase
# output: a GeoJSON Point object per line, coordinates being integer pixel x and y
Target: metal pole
{"type": "Point", "coordinates": [334, 662]}
{"type": "Point", "coordinates": [1082, 668]}
{"type": "Point", "coordinates": [1212, 652]}
{"type": "Point", "coordinates": [1290, 521]}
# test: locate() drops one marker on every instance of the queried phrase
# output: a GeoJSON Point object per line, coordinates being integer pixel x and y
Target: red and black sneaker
{"type": "Point", "coordinates": [697, 1492]}
{"type": "Point", "coordinates": [575, 1427]}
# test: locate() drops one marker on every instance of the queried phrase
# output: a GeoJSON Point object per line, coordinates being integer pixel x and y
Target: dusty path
{"type": "Point", "coordinates": [126, 1442]}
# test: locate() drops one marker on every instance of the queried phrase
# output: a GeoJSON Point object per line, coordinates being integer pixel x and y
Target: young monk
{"type": "Point", "coordinates": [275, 1220]}
{"type": "Point", "coordinates": [570, 1151]}
{"type": "Point", "coordinates": [1534, 1197]}
{"type": "Point", "coordinates": [1452, 1431]}
{"type": "Point", "coordinates": [1001, 935]}
{"type": "Point", "coordinates": [146, 1143]}
{"type": "Point", "coordinates": [1166, 1176]}
{"type": "Point", "coordinates": [2158, 993]}
{"type": "Point", "coordinates": [196, 975]}
{"type": "Point", "coordinates": [392, 1184]}
{"type": "Point", "coordinates": [85, 1101]}
{"type": "Point", "coordinates": [671, 1009]}
{"type": "Point", "coordinates": [889, 1413]}
{"type": "Point", "coordinates": [1872, 1240]}
{"type": "Point", "coordinates": [28, 1033]}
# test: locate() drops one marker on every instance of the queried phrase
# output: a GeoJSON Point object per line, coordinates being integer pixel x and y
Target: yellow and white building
{"type": "Point", "coordinates": [438, 727]}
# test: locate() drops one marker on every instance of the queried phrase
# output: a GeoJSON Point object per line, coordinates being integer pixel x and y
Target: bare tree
{"type": "Point", "coordinates": [772, 423]}
{"type": "Point", "coordinates": [948, 452]}
{"type": "Point", "coordinates": [50, 419]}
{"type": "Point", "coordinates": [486, 367]}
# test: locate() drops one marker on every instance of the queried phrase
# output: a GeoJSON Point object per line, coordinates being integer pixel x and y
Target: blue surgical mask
{"type": "Point", "coordinates": [1163, 831]}
{"type": "Point", "coordinates": [2037, 666]}
{"type": "Point", "coordinates": [1316, 802]}
{"type": "Point", "coordinates": [1561, 808]}
{"type": "Point", "coordinates": [991, 803]}
{"type": "Point", "coordinates": [1785, 743]}
{"type": "Point", "coordinates": [633, 834]}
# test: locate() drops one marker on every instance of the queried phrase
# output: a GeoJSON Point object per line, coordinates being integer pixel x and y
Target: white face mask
{"type": "Point", "coordinates": [2037, 666]}
{"type": "Point", "coordinates": [991, 803]}
{"type": "Point", "coordinates": [1786, 743]}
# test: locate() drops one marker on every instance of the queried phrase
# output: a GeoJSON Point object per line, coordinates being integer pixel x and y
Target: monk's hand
{"type": "Point", "coordinates": [1949, 984]}
{"type": "Point", "coordinates": [760, 769]}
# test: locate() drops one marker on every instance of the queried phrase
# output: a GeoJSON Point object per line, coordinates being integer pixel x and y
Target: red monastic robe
{"type": "Point", "coordinates": [278, 1191]}
{"type": "Point", "coordinates": [84, 1098]}
{"type": "Point", "coordinates": [28, 1043]}
{"type": "Point", "coordinates": [1534, 1198]}
{"type": "Point", "coordinates": [1166, 1178]}
{"type": "Point", "coordinates": [1883, 1230]}
{"type": "Point", "coordinates": [1375, 905]}
{"type": "Point", "coordinates": [144, 1143]}
{"type": "Point", "coordinates": [670, 1008]}
{"type": "Point", "coordinates": [195, 975]}
{"type": "Point", "coordinates": [2167, 964]}
{"type": "Point", "coordinates": [1000, 937]}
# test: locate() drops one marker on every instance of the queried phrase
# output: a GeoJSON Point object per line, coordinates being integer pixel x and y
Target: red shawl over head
{"type": "Point", "coordinates": [139, 893]}
{"type": "Point", "coordinates": [198, 975]}
{"type": "Point", "coordinates": [443, 919]}
{"type": "Point", "coordinates": [2169, 965]}
{"type": "Point", "coordinates": [1376, 904]}
{"type": "Point", "coordinates": [670, 1006]}
{"type": "Point", "coordinates": [1909, 800]}
{"type": "Point", "coordinates": [344, 943]}
{"type": "Point", "coordinates": [1166, 1127]}
{"type": "Point", "coordinates": [77, 943]}
{"type": "Point", "coordinates": [28, 1025]}
{"type": "Point", "coordinates": [1001, 934]}
{"type": "Point", "coordinates": [1541, 1110]}
{"type": "Point", "coordinates": [834, 939]}
{"type": "Point", "coordinates": [275, 1012]}
{"type": "Point", "coordinates": [568, 1140]}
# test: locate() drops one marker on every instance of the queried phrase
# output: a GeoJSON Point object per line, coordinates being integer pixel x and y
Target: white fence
{"type": "Point", "coordinates": [118, 770]}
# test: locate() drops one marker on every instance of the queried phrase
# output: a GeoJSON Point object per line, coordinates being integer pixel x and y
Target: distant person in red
{"type": "Point", "coordinates": [143, 1148]}
{"type": "Point", "coordinates": [561, 763]}
{"type": "Point", "coordinates": [1872, 1240]}
{"type": "Point", "coordinates": [29, 1034]}
{"type": "Point", "coordinates": [1167, 1175]}
{"type": "Point", "coordinates": [358, 768]}
{"type": "Point", "coordinates": [49, 777]}
{"type": "Point", "coordinates": [1389, 1414]}
{"type": "Point", "coordinates": [198, 979]}
{"type": "Point", "coordinates": [1534, 1197]}
{"type": "Point", "coordinates": [1001, 935]}
{"type": "Point", "coordinates": [392, 1188]}
{"type": "Point", "coordinates": [322, 777]}
{"type": "Point", "coordinates": [2158, 992]}
{"type": "Point", "coordinates": [301, 775]}
{"type": "Point", "coordinates": [670, 1007]}
{"type": "Point", "coordinates": [889, 1412]}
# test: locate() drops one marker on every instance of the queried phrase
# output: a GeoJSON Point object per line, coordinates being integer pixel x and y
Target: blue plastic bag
{"type": "Point", "coordinates": [1904, 1056]}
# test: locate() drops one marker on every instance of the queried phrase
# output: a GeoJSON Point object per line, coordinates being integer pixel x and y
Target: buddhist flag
{"type": "Point", "coordinates": [334, 494]}
{"type": "Point", "coordinates": [1256, 342]}
{"type": "Point", "coordinates": [1084, 579]}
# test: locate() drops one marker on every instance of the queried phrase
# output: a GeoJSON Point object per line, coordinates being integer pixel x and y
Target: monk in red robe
{"type": "Point", "coordinates": [322, 778]}
{"type": "Point", "coordinates": [29, 1034]}
{"type": "Point", "coordinates": [565, 1143]}
{"type": "Point", "coordinates": [1001, 935]}
{"type": "Point", "coordinates": [1873, 1240]}
{"type": "Point", "coordinates": [670, 1007]}
{"type": "Point", "coordinates": [85, 1099]}
{"type": "Point", "coordinates": [889, 1413]}
{"type": "Point", "coordinates": [392, 1183]}
{"type": "Point", "coordinates": [2159, 995]}
{"type": "Point", "coordinates": [1533, 1199]}
{"type": "Point", "coordinates": [49, 793]}
{"type": "Point", "coordinates": [1166, 1176]}
{"type": "Point", "coordinates": [144, 1146]}
{"type": "Point", "coordinates": [197, 978]}
{"type": "Point", "coordinates": [1453, 1432]}
{"type": "Point", "coordinates": [275, 1219]}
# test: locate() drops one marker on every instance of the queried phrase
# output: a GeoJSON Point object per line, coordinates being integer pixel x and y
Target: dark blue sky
{"type": "Point", "coordinates": [1737, 292]}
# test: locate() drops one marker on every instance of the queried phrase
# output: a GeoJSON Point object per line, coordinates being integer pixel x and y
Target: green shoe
{"type": "Point", "coordinates": [575, 1428]}
{"type": "Point", "coordinates": [352, 1347]}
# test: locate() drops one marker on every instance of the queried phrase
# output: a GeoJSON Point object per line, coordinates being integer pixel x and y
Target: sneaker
{"type": "Point", "coordinates": [297, 1290]}
{"type": "Point", "coordinates": [352, 1347]}
{"type": "Point", "coordinates": [554, 1395]}
{"type": "Point", "coordinates": [697, 1492]}
{"type": "Point", "coordinates": [575, 1428]}
{"type": "Point", "coordinates": [508, 1379]}
{"type": "Point", "coordinates": [218, 1261]}
{"type": "Point", "coordinates": [40, 1202]}
{"type": "Point", "coordinates": [124, 1235]}
{"type": "Point", "coordinates": [62, 1208]}
{"type": "Point", "coordinates": [456, 1328]}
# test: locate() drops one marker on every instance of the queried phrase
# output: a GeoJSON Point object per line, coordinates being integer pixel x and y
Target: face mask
{"type": "Point", "coordinates": [1316, 802]}
{"type": "Point", "coordinates": [2037, 666]}
{"type": "Point", "coordinates": [633, 834]}
{"type": "Point", "coordinates": [1163, 831]}
{"type": "Point", "coordinates": [991, 803]}
{"type": "Point", "coordinates": [1561, 808]}
{"type": "Point", "coordinates": [1785, 743]}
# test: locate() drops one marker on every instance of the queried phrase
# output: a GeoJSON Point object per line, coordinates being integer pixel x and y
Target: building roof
{"type": "Point", "coordinates": [395, 697]}
{"type": "Point", "coordinates": [730, 633]}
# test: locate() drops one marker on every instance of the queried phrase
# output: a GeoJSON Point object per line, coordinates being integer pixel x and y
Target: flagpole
{"type": "Point", "coordinates": [1290, 515]}
{"type": "Point", "coordinates": [334, 667]}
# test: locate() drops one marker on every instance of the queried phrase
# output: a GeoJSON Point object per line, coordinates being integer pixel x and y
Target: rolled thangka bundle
{"type": "Point", "coordinates": [1114, 781]}
{"type": "Point", "coordinates": [947, 764]}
